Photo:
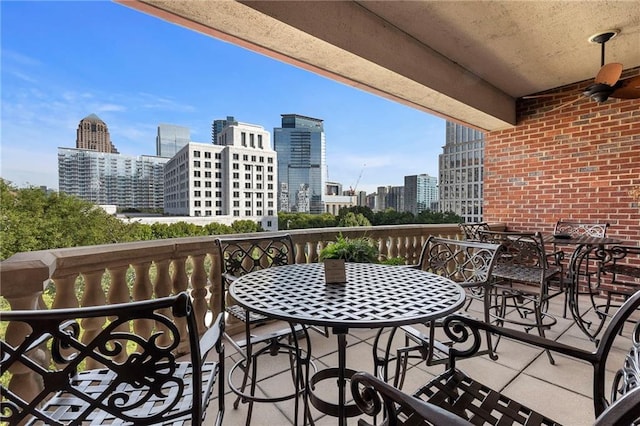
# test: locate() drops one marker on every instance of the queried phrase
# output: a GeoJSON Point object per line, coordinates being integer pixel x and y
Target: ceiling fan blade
{"type": "Point", "coordinates": [564, 105]}
{"type": "Point", "coordinates": [609, 74]}
{"type": "Point", "coordinates": [629, 88]}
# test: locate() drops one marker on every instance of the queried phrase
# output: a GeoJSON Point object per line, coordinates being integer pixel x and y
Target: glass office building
{"type": "Point", "coordinates": [420, 193]}
{"type": "Point", "coordinates": [171, 139]}
{"type": "Point", "coordinates": [302, 170]}
{"type": "Point", "coordinates": [462, 172]}
{"type": "Point", "coordinates": [105, 178]}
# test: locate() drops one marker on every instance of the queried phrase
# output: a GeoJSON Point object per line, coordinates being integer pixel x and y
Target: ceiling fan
{"type": "Point", "coordinates": [607, 83]}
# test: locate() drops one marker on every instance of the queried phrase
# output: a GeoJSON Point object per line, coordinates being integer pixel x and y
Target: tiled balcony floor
{"type": "Point", "coordinates": [561, 391]}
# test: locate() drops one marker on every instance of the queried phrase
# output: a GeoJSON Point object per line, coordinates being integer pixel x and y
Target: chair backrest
{"type": "Point", "coordinates": [460, 261]}
{"type": "Point", "coordinates": [239, 256]}
{"type": "Point", "coordinates": [519, 248]}
{"type": "Point", "coordinates": [471, 230]}
{"type": "Point", "coordinates": [130, 358]}
{"type": "Point", "coordinates": [577, 229]}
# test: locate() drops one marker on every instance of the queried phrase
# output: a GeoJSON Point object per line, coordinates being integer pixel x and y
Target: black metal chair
{"type": "Point", "coordinates": [470, 402]}
{"type": "Point", "coordinates": [470, 264]}
{"type": "Point", "coordinates": [522, 277]}
{"type": "Point", "coordinates": [113, 375]}
{"type": "Point", "coordinates": [576, 229]}
{"type": "Point", "coordinates": [471, 231]}
{"type": "Point", "coordinates": [240, 256]}
{"type": "Point", "coordinates": [620, 264]}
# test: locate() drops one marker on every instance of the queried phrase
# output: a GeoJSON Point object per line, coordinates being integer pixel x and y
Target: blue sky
{"type": "Point", "coordinates": [62, 61]}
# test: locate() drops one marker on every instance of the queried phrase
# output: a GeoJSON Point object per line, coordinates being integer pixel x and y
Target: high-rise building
{"type": "Point", "coordinates": [389, 197]}
{"type": "Point", "coordinates": [93, 134]}
{"type": "Point", "coordinates": [420, 193]}
{"type": "Point", "coordinates": [462, 172]}
{"type": "Point", "coordinates": [218, 125]}
{"type": "Point", "coordinates": [171, 139]}
{"type": "Point", "coordinates": [106, 178]}
{"type": "Point", "coordinates": [302, 166]}
{"type": "Point", "coordinates": [237, 178]}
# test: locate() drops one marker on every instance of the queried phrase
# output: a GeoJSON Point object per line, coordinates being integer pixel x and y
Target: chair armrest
{"type": "Point", "coordinates": [454, 330]}
{"type": "Point", "coordinates": [622, 412]}
{"type": "Point", "coordinates": [371, 394]}
{"type": "Point", "coordinates": [212, 336]}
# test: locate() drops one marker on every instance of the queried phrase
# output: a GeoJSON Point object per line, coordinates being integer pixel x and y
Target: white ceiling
{"type": "Point", "coordinates": [463, 60]}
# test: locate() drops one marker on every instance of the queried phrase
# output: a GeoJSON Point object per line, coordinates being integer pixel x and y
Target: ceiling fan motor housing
{"type": "Point", "coordinates": [599, 92]}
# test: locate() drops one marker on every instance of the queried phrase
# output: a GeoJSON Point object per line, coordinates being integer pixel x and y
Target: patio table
{"type": "Point", "coordinates": [374, 296]}
{"type": "Point", "coordinates": [585, 246]}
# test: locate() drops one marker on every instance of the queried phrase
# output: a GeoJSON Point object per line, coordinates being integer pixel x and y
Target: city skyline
{"type": "Point", "coordinates": [72, 59]}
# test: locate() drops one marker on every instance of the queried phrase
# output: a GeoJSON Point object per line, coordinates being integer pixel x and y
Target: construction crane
{"type": "Point", "coordinates": [352, 189]}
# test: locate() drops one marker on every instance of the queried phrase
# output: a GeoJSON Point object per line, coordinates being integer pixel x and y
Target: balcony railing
{"type": "Point", "coordinates": [117, 273]}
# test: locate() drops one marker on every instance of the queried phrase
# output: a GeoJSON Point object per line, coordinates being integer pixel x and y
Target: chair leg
{"type": "Point", "coordinates": [538, 314]}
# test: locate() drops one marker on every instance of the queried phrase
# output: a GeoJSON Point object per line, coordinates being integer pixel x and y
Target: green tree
{"type": "Point", "coordinates": [363, 210]}
{"type": "Point", "coordinates": [245, 226]}
{"type": "Point", "coordinates": [351, 219]}
{"type": "Point", "coordinates": [31, 220]}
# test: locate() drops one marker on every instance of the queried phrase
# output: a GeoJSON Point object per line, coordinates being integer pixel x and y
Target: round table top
{"type": "Point", "coordinates": [373, 296]}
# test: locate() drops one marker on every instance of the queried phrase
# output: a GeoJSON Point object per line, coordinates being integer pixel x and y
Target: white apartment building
{"type": "Point", "coordinates": [233, 178]}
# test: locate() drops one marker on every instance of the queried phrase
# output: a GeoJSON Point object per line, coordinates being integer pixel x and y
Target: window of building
{"type": "Point", "coordinates": [218, 203]}
{"type": "Point", "coordinates": [247, 203]}
{"type": "Point", "coordinates": [236, 212]}
{"type": "Point", "coordinates": [236, 166]}
{"type": "Point", "coordinates": [196, 193]}
{"type": "Point", "coordinates": [196, 173]}
{"type": "Point", "coordinates": [196, 154]}
{"type": "Point", "coordinates": [245, 158]}
{"type": "Point", "coordinates": [247, 175]}
{"type": "Point", "coordinates": [259, 141]}
{"type": "Point", "coordinates": [236, 156]}
{"type": "Point", "coordinates": [270, 160]}
{"type": "Point", "coordinates": [218, 165]}
{"type": "Point", "coordinates": [247, 166]}
{"type": "Point", "coordinates": [258, 212]}
{"type": "Point", "coordinates": [247, 212]}
{"type": "Point", "coordinates": [207, 164]}
{"type": "Point", "coordinates": [218, 212]}
{"type": "Point", "coordinates": [197, 213]}
{"type": "Point", "coordinates": [236, 175]}
{"type": "Point", "coordinates": [253, 158]}
{"type": "Point", "coordinates": [207, 203]}
{"type": "Point", "coordinates": [247, 185]}
{"type": "Point", "coordinates": [218, 194]}
{"type": "Point", "coordinates": [208, 175]}
{"type": "Point", "coordinates": [236, 204]}
{"type": "Point", "coordinates": [247, 195]}
{"type": "Point", "coordinates": [251, 141]}
{"type": "Point", "coordinates": [196, 163]}
{"type": "Point", "coordinates": [236, 194]}
{"type": "Point", "coordinates": [218, 184]}
{"type": "Point", "coordinates": [243, 139]}
{"type": "Point", "coordinates": [197, 203]}
{"type": "Point", "coordinates": [236, 184]}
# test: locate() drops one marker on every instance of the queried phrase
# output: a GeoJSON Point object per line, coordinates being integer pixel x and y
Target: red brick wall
{"type": "Point", "coordinates": [577, 162]}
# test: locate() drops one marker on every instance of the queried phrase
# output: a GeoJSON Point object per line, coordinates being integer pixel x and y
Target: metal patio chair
{"type": "Point", "coordinates": [124, 372]}
{"type": "Point", "coordinates": [470, 264]}
{"type": "Point", "coordinates": [522, 277]}
{"type": "Point", "coordinates": [238, 257]}
{"type": "Point", "coordinates": [471, 231]}
{"type": "Point", "coordinates": [455, 398]}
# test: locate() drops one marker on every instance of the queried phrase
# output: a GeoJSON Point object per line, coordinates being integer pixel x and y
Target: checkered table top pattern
{"type": "Point", "coordinates": [373, 296]}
